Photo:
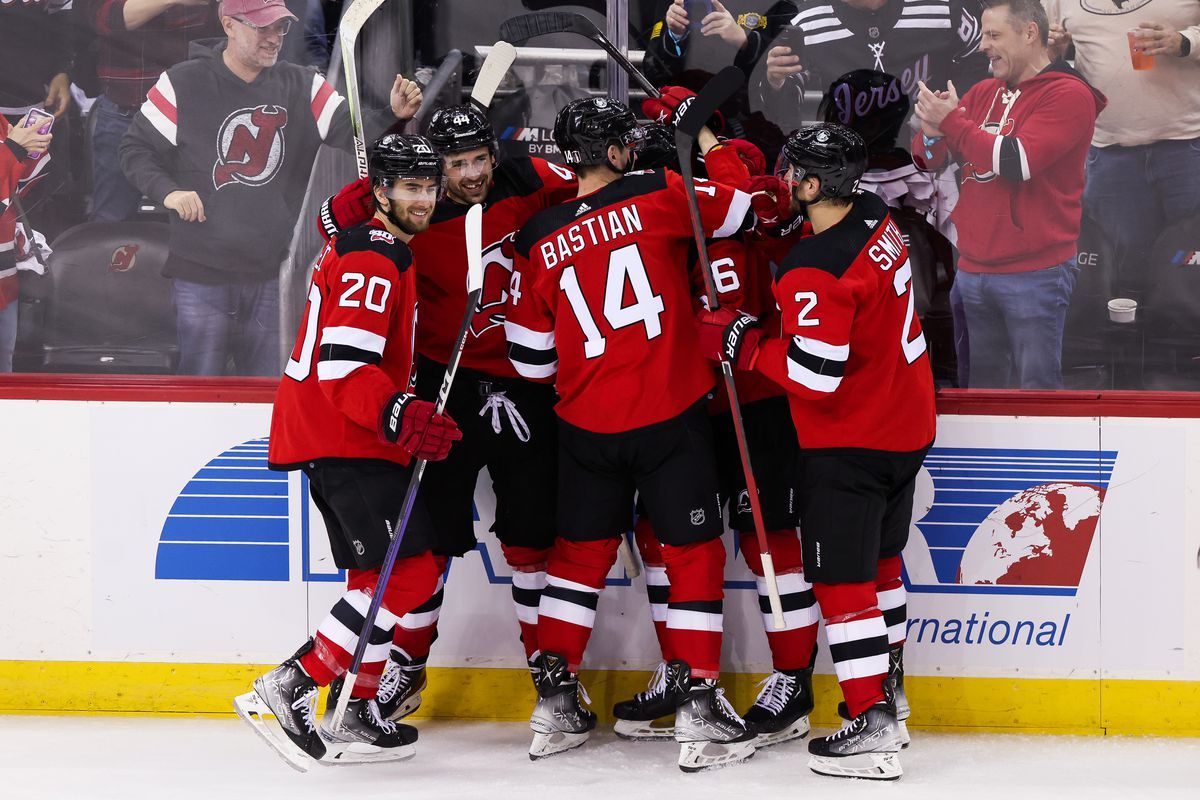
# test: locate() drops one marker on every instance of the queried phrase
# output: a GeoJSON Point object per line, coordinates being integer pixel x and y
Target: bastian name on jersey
{"type": "Point", "coordinates": [604, 227]}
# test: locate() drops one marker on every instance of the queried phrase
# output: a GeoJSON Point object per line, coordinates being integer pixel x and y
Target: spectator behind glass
{"type": "Point", "coordinates": [138, 40]}
{"type": "Point", "coordinates": [915, 40]}
{"type": "Point", "coordinates": [17, 145]}
{"type": "Point", "coordinates": [226, 141]}
{"type": "Point", "coordinates": [1020, 138]}
{"type": "Point", "coordinates": [739, 39]}
{"type": "Point", "coordinates": [1143, 170]}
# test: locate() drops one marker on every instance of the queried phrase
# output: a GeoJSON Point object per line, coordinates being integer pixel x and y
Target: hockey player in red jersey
{"type": "Point", "coordinates": [853, 361]}
{"type": "Point", "coordinates": [508, 422]}
{"type": "Point", "coordinates": [345, 413]}
{"type": "Point", "coordinates": [605, 311]}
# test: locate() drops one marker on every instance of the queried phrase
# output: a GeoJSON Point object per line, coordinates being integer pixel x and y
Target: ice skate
{"type": "Point", "coordinates": [282, 709]}
{"type": "Point", "coordinates": [364, 736]}
{"type": "Point", "coordinates": [895, 685]}
{"type": "Point", "coordinates": [559, 721]}
{"type": "Point", "coordinates": [400, 687]}
{"type": "Point", "coordinates": [650, 715]}
{"type": "Point", "coordinates": [709, 731]}
{"type": "Point", "coordinates": [867, 746]}
{"type": "Point", "coordinates": [781, 711]}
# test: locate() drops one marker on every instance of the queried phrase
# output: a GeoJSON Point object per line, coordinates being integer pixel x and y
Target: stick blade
{"type": "Point", "coordinates": [474, 229]}
{"type": "Point", "coordinates": [722, 86]}
{"type": "Point", "coordinates": [495, 67]}
{"type": "Point", "coordinates": [540, 23]}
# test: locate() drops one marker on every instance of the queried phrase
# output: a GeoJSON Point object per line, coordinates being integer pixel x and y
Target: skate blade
{"type": "Point", "coordinates": [797, 730]}
{"type": "Point", "coordinates": [633, 730]}
{"type": "Point", "coordinates": [871, 766]}
{"type": "Point", "coordinates": [254, 712]}
{"type": "Point", "coordinates": [549, 744]}
{"type": "Point", "coordinates": [355, 754]}
{"type": "Point", "coordinates": [701, 756]}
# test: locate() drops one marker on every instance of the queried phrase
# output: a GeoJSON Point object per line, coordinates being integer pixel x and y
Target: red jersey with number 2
{"type": "Point", "coordinates": [354, 351]}
{"type": "Point", "coordinates": [602, 303]}
{"type": "Point", "coordinates": [852, 356]}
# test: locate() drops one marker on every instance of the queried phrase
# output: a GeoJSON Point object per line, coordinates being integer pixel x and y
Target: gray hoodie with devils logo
{"type": "Point", "coordinates": [246, 148]}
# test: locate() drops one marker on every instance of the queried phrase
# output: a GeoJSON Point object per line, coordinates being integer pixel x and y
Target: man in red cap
{"type": "Point", "coordinates": [226, 141]}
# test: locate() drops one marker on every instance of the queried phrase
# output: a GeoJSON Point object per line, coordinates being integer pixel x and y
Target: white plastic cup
{"type": "Point", "coordinates": [1121, 309]}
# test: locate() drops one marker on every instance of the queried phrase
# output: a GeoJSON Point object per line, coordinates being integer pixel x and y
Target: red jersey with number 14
{"type": "Point", "coordinates": [852, 356]}
{"type": "Point", "coordinates": [602, 302]}
{"type": "Point", "coordinates": [354, 351]}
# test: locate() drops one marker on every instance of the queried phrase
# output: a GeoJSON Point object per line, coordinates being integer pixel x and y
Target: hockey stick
{"type": "Point", "coordinates": [350, 27]}
{"type": "Point", "coordinates": [474, 231]}
{"type": "Point", "coordinates": [720, 88]}
{"type": "Point", "coordinates": [540, 23]}
{"type": "Point", "coordinates": [491, 73]}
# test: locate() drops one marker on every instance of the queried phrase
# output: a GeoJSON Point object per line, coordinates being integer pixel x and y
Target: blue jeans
{"type": "Point", "coordinates": [1015, 325]}
{"type": "Point", "coordinates": [114, 199]}
{"type": "Point", "coordinates": [1136, 192]}
{"type": "Point", "coordinates": [238, 320]}
{"type": "Point", "coordinates": [8, 335]}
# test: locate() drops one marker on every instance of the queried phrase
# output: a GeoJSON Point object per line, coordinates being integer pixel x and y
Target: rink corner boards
{"type": "Point", "coordinates": [1016, 705]}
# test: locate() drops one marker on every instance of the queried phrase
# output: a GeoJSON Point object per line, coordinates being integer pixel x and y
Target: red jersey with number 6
{"type": "Point", "coordinates": [852, 356]}
{"type": "Point", "coordinates": [354, 351]}
{"type": "Point", "coordinates": [604, 306]}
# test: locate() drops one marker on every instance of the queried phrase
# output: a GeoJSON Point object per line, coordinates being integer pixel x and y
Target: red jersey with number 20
{"type": "Point", "coordinates": [852, 356]}
{"type": "Point", "coordinates": [354, 351]}
{"type": "Point", "coordinates": [601, 300]}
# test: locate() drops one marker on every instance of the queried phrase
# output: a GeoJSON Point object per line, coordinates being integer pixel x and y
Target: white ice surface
{"type": "Point", "coordinates": [128, 758]}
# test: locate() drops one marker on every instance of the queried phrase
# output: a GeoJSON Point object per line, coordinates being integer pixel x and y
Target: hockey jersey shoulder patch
{"type": "Point", "coordinates": [378, 240]}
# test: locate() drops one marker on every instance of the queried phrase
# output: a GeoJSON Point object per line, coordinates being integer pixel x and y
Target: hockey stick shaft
{"type": "Point", "coordinates": [491, 73]}
{"type": "Point", "coordinates": [351, 25]}
{"type": "Point", "coordinates": [540, 23]}
{"type": "Point", "coordinates": [685, 135]}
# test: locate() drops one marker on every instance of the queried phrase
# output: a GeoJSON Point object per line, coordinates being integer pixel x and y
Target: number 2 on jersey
{"type": "Point", "coordinates": [902, 282]}
{"type": "Point", "coordinates": [624, 266]}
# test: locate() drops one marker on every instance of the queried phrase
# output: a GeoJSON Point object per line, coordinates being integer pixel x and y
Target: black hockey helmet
{"type": "Point", "coordinates": [870, 102]}
{"type": "Point", "coordinates": [833, 153]}
{"type": "Point", "coordinates": [403, 155]}
{"type": "Point", "coordinates": [657, 149]}
{"type": "Point", "coordinates": [454, 129]}
{"type": "Point", "coordinates": [585, 128]}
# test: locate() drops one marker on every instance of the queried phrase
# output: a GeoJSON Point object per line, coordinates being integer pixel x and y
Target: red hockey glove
{"type": "Point", "coordinates": [730, 335]}
{"type": "Point", "coordinates": [353, 205]}
{"type": "Point", "coordinates": [771, 200]}
{"type": "Point", "coordinates": [751, 156]}
{"type": "Point", "coordinates": [672, 105]}
{"type": "Point", "coordinates": [411, 423]}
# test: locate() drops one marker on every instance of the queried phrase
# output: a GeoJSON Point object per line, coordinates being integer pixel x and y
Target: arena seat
{"type": "Point", "coordinates": [1171, 314]}
{"type": "Point", "coordinates": [1087, 349]}
{"type": "Point", "coordinates": [110, 308]}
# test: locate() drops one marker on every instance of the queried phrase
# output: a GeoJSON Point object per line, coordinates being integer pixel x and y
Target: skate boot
{"type": "Point", "coordinates": [400, 687]}
{"type": "Point", "coordinates": [365, 736]}
{"type": "Point", "coordinates": [709, 731]}
{"type": "Point", "coordinates": [650, 715]}
{"type": "Point", "coordinates": [288, 696]}
{"type": "Point", "coordinates": [559, 721]}
{"type": "Point", "coordinates": [895, 686]}
{"type": "Point", "coordinates": [867, 746]}
{"type": "Point", "coordinates": [781, 711]}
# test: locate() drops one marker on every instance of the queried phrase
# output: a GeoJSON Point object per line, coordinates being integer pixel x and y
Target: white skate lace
{"type": "Point", "coordinates": [776, 689]}
{"type": "Point", "coordinates": [583, 693]}
{"type": "Point", "coordinates": [657, 686]}
{"type": "Point", "coordinates": [499, 400]}
{"type": "Point", "coordinates": [848, 727]}
{"type": "Point", "coordinates": [389, 682]}
{"type": "Point", "coordinates": [307, 703]}
{"type": "Point", "coordinates": [726, 708]}
{"type": "Point", "coordinates": [384, 725]}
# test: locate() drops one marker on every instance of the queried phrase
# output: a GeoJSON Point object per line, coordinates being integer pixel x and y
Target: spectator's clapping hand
{"type": "Point", "coordinates": [781, 65]}
{"type": "Point", "coordinates": [58, 95]}
{"type": "Point", "coordinates": [406, 98]}
{"type": "Point", "coordinates": [719, 22]}
{"type": "Point", "coordinates": [187, 205]}
{"type": "Point", "coordinates": [677, 18]}
{"type": "Point", "coordinates": [34, 143]}
{"type": "Point", "coordinates": [933, 107]}
{"type": "Point", "coordinates": [1060, 40]}
{"type": "Point", "coordinates": [1156, 39]}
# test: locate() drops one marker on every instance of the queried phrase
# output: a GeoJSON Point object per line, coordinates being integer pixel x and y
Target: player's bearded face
{"type": "Point", "coordinates": [468, 175]}
{"type": "Point", "coordinates": [409, 203]}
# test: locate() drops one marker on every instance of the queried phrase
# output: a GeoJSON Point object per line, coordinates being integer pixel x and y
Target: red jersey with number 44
{"type": "Point", "coordinates": [354, 351]}
{"type": "Point", "coordinates": [852, 356]}
{"type": "Point", "coordinates": [602, 304]}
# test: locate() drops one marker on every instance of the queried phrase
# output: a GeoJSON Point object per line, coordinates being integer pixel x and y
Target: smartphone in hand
{"type": "Point", "coordinates": [697, 10]}
{"type": "Point", "coordinates": [43, 120]}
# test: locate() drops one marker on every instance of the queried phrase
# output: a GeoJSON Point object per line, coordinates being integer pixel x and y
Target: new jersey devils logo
{"type": "Point", "coordinates": [250, 146]}
{"type": "Point", "coordinates": [969, 170]}
{"type": "Point", "coordinates": [497, 275]}
{"type": "Point", "coordinates": [123, 258]}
